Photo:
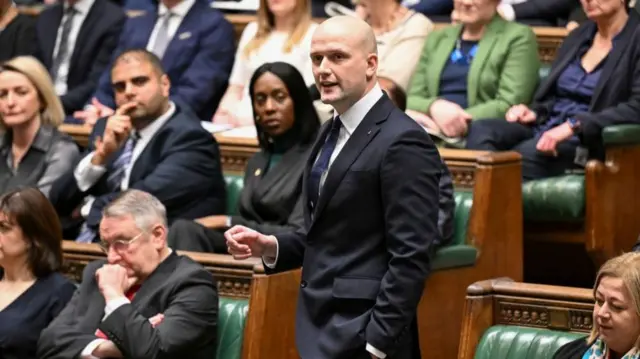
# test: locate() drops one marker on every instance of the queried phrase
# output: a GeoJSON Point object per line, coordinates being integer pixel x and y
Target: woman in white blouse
{"type": "Point", "coordinates": [282, 32]}
{"type": "Point", "coordinates": [401, 33]}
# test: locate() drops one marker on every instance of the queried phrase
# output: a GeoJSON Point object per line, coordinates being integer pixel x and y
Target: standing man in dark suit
{"type": "Point", "coordinates": [371, 212]}
{"type": "Point", "coordinates": [75, 41]}
{"type": "Point", "coordinates": [150, 144]}
{"type": "Point", "coordinates": [196, 45]}
{"type": "Point", "coordinates": [144, 301]}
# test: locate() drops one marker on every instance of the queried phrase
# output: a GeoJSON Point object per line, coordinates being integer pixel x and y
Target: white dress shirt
{"type": "Point", "coordinates": [179, 12]}
{"type": "Point", "coordinates": [87, 174]}
{"type": "Point", "coordinates": [350, 119]}
{"type": "Point", "coordinates": [82, 8]}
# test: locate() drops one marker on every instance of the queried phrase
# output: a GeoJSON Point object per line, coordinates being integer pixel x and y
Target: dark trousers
{"type": "Point", "coordinates": [187, 235]}
{"type": "Point", "coordinates": [500, 135]}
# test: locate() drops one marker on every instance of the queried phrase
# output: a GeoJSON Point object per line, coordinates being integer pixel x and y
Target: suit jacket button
{"type": "Point", "coordinates": [303, 284]}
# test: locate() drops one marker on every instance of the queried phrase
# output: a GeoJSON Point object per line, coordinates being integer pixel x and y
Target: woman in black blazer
{"type": "Point", "coordinates": [616, 314]}
{"type": "Point", "coordinates": [594, 83]}
{"type": "Point", "coordinates": [17, 32]}
{"type": "Point", "coordinates": [287, 125]}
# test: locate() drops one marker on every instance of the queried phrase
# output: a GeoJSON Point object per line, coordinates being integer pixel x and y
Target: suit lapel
{"type": "Point", "coordinates": [324, 131]}
{"type": "Point", "coordinates": [485, 46]}
{"type": "Point", "coordinates": [289, 160]}
{"type": "Point", "coordinates": [146, 24]}
{"type": "Point", "coordinates": [614, 56]}
{"type": "Point", "coordinates": [85, 31]}
{"type": "Point", "coordinates": [360, 138]}
{"type": "Point", "coordinates": [185, 30]}
{"type": "Point", "coordinates": [156, 279]}
{"type": "Point", "coordinates": [48, 42]}
{"type": "Point", "coordinates": [441, 57]}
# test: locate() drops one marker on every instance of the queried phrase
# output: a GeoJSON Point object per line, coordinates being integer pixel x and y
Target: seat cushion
{"type": "Point", "coordinates": [513, 342]}
{"type": "Point", "coordinates": [458, 253]}
{"type": "Point", "coordinates": [231, 320]}
{"type": "Point", "coordinates": [621, 135]}
{"type": "Point", "coordinates": [234, 188]}
{"type": "Point", "coordinates": [554, 199]}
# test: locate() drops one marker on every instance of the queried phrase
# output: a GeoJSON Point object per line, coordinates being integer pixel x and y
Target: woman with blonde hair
{"type": "Point", "coordinates": [282, 33]}
{"type": "Point", "coordinates": [616, 314]}
{"type": "Point", "coordinates": [32, 150]}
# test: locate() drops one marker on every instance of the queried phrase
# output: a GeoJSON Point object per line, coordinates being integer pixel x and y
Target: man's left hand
{"type": "Point", "coordinates": [549, 140]}
{"type": "Point", "coordinates": [113, 281]}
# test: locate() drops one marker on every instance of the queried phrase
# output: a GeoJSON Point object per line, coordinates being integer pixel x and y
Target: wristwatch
{"type": "Point", "coordinates": [228, 222]}
{"type": "Point", "coordinates": [574, 124]}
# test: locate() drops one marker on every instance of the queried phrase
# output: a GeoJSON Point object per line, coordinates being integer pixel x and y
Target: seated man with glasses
{"type": "Point", "coordinates": [144, 301]}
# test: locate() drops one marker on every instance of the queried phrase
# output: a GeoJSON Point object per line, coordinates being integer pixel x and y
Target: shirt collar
{"type": "Point", "coordinates": [179, 10]}
{"type": "Point", "coordinates": [81, 6]}
{"type": "Point", "coordinates": [356, 113]}
{"type": "Point", "coordinates": [41, 142]}
{"type": "Point", "coordinates": [153, 127]}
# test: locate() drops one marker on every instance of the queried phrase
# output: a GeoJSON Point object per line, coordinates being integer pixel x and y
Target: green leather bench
{"type": "Point", "coordinates": [513, 342]}
{"type": "Point", "coordinates": [232, 316]}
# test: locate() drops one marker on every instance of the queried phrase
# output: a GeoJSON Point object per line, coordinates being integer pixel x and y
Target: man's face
{"type": "Point", "coordinates": [341, 66]}
{"type": "Point", "coordinates": [134, 80]}
{"type": "Point", "coordinates": [137, 250]}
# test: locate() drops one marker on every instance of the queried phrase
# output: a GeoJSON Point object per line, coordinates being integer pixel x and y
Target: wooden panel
{"type": "Point", "coordinates": [505, 302]}
{"type": "Point", "coordinates": [234, 277]}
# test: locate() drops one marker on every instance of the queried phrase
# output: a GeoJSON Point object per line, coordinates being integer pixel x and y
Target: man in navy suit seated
{"type": "Point", "coordinates": [150, 143]}
{"type": "Point", "coordinates": [197, 48]}
{"type": "Point", "coordinates": [75, 41]}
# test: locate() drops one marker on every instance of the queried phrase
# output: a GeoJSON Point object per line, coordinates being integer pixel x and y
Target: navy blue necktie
{"type": "Point", "coordinates": [322, 164]}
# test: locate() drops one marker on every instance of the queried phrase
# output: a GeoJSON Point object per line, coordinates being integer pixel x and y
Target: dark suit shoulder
{"type": "Point", "coordinates": [572, 350]}
{"type": "Point", "coordinates": [186, 267]}
{"type": "Point", "coordinates": [399, 124]}
{"type": "Point", "coordinates": [90, 270]}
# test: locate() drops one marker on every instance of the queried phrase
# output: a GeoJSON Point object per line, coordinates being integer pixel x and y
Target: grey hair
{"type": "Point", "coordinates": [145, 209]}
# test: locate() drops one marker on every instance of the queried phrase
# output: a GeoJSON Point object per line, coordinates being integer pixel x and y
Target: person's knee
{"type": "Point", "coordinates": [480, 135]}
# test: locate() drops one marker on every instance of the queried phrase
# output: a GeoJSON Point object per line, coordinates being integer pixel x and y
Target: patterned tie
{"type": "Point", "coordinates": [162, 37]}
{"type": "Point", "coordinates": [322, 164]}
{"type": "Point", "coordinates": [63, 47]}
{"type": "Point", "coordinates": [120, 165]}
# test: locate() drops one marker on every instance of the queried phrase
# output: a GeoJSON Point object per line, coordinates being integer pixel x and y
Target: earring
{"type": "Point", "coordinates": [257, 118]}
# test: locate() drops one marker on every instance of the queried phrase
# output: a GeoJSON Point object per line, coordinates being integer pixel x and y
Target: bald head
{"type": "Point", "coordinates": [352, 29]}
{"type": "Point", "coordinates": [344, 58]}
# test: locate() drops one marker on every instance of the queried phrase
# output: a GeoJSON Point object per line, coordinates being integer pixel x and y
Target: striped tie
{"type": "Point", "coordinates": [122, 163]}
{"type": "Point", "coordinates": [63, 47]}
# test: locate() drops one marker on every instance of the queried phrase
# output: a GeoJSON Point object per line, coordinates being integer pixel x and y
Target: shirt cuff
{"type": "Point", "coordinates": [371, 349]}
{"type": "Point", "coordinates": [270, 262]}
{"type": "Point", "coordinates": [507, 12]}
{"type": "Point", "coordinates": [114, 304]}
{"type": "Point", "coordinates": [87, 174]}
{"type": "Point", "coordinates": [87, 352]}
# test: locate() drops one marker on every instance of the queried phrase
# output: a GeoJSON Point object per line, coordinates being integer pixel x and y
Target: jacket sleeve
{"type": "Point", "coordinates": [419, 98]}
{"type": "Point", "coordinates": [64, 154]}
{"type": "Point", "coordinates": [409, 180]}
{"type": "Point", "coordinates": [517, 79]}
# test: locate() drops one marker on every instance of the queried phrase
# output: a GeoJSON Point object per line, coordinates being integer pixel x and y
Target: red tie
{"type": "Point", "coordinates": [129, 294]}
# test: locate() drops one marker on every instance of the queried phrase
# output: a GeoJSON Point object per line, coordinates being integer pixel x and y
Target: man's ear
{"type": "Point", "coordinates": [165, 83]}
{"type": "Point", "coordinates": [372, 65]}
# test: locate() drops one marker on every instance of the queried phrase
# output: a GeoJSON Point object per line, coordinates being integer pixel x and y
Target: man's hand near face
{"type": "Point", "coordinates": [113, 281]}
{"type": "Point", "coordinates": [116, 133]}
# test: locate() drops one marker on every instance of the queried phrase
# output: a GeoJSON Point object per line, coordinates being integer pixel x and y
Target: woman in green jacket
{"type": "Point", "coordinates": [475, 69]}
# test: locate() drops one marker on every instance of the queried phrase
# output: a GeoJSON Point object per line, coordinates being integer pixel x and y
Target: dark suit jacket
{"type": "Point", "coordinates": [573, 350]}
{"type": "Point", "coordinates": [198, 59]}
{"type": "Point", "coordinates": [546, 12]}
{"type": "Point", "coordinates": [180, 166]}
{"type": "Point", "coordinates": [366, 253]}
{"type": "Point", "coordinates": [616, 99]}
{"type": "Point", "coordinates": [272, 203]}
{"type": "Point", "coordinates": [91, 54]}
{"type": "Point", "coordinates": [179, 288]}
{"type": "Point", "coordinates": [18, 38]}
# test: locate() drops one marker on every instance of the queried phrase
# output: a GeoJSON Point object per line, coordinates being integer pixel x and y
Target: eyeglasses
{"type": "Point", "coordinates": [118, 245]}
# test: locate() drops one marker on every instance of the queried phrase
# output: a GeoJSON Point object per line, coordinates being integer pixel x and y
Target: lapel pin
{"type": "Point", "coordinates": [368, 133]}
{"type": "Point", "coordinates": [257, 172]}
{"type": "Point", "coordinates": [184, 35]}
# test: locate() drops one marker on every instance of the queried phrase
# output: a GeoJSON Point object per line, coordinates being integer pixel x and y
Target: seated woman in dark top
{"type": "Point", "coordinates": [594, 82]}
{"type": "Point", "coordinates": [287, 125]}
{"type": "Point", "coordinates": [475, 69]}
{"type": "Point", "coordinates": [17, 32]}
{"type": "Point", "coordinates": [32, 151]}
{"type": "Point", "coordinates": [32, 292]}
{"type": "Point", "coordinates": [616, 314]}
